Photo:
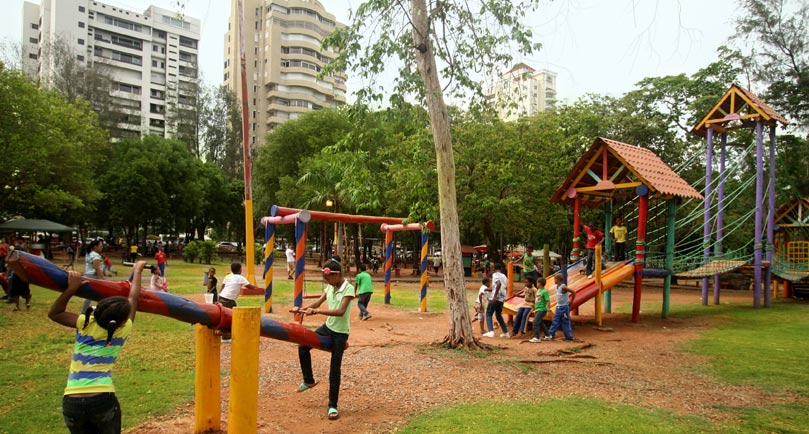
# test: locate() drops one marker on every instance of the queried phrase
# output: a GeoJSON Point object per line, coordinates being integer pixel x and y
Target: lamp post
{"type": "Point", "coordinates": [333, 204]}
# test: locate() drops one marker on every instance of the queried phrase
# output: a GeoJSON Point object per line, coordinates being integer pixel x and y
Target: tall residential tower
{"type": "Point", "coordinates": [523, 91]}
{"type": "Point", "coordinates": [283, 60]}
{"type": "Point", "coordinates": [152, 57]}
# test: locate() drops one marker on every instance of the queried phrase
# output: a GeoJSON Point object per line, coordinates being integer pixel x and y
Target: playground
{"type": "Point", "coordinates": [391, 373]}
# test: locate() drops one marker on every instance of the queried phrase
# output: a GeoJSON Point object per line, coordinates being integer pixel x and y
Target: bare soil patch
{"type": "Point", "coordinates": [390, 372]}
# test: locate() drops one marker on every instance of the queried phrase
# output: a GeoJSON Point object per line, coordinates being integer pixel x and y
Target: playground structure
{"type": "Point", "coordinates": [388, 225]}
{"type": "Point", "coordinates": [612, 170]}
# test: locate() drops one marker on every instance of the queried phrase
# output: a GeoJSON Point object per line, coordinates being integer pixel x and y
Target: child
{"type": "Point", "coordinates": [524, 311]}
{"type": "Point", "coordinates": [337, 295]}
{"type": "Point", "coordinates": [540, 310]}
{"type": "Point", "coordinates": [18, 288]}
{"type": "Point", "coordinates": [108, 271]}
{"type": "Point", "coordinates": [365, 290]}
{"type": "Point", "coordinates": [212, 284]}
{"type": "Point", "coordinates": [480, 303]}
{"type": "Point", "coordinates": [231, 289]}
{"type": "Point", "coordinates": [89, 403]}
{"type": "Point", "coordinates": [564, 297]}
{"type": "Point", "coordinates": [157, 283]}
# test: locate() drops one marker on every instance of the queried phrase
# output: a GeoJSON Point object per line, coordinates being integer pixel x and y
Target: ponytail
{"type": "Point", "coordinates": [111, 326]}
{"type": "Point", "coordinates": [87, 313]}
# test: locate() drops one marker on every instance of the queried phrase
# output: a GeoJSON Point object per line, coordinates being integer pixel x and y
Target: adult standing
{"type": "Point", "coordinates": [3, 254]}
{"type": "Point", "coordinates": [133, 252]}
{"type": "Point", "coordinates": [160, 257]}
{"type": "Point", "coordinates": [618, 231]}
{"type": "Point", "coordinates": [594, 238]}
{"type": "Point", "coordinates": [365, 290]}
{"type": "Point", "coordinates": [290, 262]}
{"type": "Point", "coordinates": [93, 261]}
{"type": "Point", "coordinates": [495, 307]}
{"type": "Point", "coordinates": [337, 295]}
{"type": "Point", "coordinates": [564, 296]}
{"type": "Point", "coordinates": [436, 263]}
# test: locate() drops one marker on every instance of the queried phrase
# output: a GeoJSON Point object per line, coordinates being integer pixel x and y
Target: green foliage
{"type": "Point", "coordinates": [191, 251]}
{"type": "Point", "coordinates": [207, 250]}
{"type": "Point", "coordinates": [52, 152]}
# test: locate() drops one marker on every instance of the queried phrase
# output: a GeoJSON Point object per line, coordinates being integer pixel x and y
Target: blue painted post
{"type": "Point", "coordinates": [388, 263]}
{"type": "Point", "coordinates": [300, 262]}
{"type": "Point", "coordinates": [770, 219]}
{"type": "Point", "coordinates": [706, 229]}
{"type": "Point", "coordinates": [424, 277]}
{"type": "Point", "coordinates": [757, 247]}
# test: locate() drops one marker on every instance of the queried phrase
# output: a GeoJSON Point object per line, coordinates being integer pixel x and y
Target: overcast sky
{"type": "Point", "coordinates": [595, 46]}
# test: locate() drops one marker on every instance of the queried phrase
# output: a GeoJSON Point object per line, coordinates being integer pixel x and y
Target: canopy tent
{"type": "Point", "coordinates": [537, 253]}
{"type": "Point", "coordinates": [34, 225]}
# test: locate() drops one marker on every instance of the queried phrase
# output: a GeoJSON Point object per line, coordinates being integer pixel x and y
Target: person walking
{"type": "Point", "coordinates": [89, 404]}
{"type": "Point", "coordinates": [93, 261]}
{"type": "Point", "coordinates": [495, 307]}
{"type": "Point", "coordinates": [365, 290]}
{"type": "Point", "coordinates": [480, 303]}
{"type": "Point", "coordinates": [337, 295]}
{"type": "Point", "coordinates": [540, 310]}
{"type": "Point", "coordinates": [160, 257]}
{"type": "Point", "coordinates": [564, 297]}
{"type": "Point", "coordinates": [290, 262]}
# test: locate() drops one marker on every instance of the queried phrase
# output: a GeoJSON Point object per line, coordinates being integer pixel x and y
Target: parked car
{"type": "Point", "coordinates": [227, 246]}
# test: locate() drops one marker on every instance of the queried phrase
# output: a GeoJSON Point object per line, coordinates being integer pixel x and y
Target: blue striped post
{"type": "Point", "coordinates": [423, 268]}
{"type": "Point", "coordinates": [269, 247]}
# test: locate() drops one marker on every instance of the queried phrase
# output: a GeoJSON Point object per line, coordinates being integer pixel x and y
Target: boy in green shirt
{"type": "Point", "coordinates": [364, 291]}
{"type": "Point", "coordinates": [540, 309]}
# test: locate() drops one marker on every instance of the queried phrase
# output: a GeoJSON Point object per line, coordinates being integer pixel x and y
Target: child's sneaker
{"type": "Point", "coordinates": [505, 335]}
{"type": "Point", "coordinates": [488, 335]}
{"type": "Point", "coordinates": [535, 340]}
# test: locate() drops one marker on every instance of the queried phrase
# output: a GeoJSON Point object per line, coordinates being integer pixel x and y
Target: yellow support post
{"type": "Point", "coordinates": [207, 386]}
{"type": "Point", "coordinates": [243, 400]}
{"type": "Point", "coordinates": [600, 293]}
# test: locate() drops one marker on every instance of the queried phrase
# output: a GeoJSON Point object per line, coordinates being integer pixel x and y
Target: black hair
{"type": "Point", "coordinates": [486, 280]}
{"type": "Point", "coordinates": [531, 280]}
{"type": "Point", "coordinates": [498, 266]}
{"type": "Point", "coordinates": [541, 281]}
{"type": "Point", "coordinates": [363, 267]}
{"type": "Point", "coordinates": [236, 268]}
{"type": "Point", "coordinates": [333, 265]}
{"type": "Point", "coordinates": [111, 313]}
{"type": "Point", "coordinates": [336, 258]}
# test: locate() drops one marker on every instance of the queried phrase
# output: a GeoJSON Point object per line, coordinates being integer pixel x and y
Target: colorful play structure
{"type": "Point", "coordinates": [300, 218]}
{"type": "Point", "coordinates": [611, 173]}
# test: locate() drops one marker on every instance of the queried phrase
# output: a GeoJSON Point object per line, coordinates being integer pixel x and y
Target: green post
{"type": "Point", "coordinates": [672, 215]}
{"type": "Point", "coordinates": [608, 238]}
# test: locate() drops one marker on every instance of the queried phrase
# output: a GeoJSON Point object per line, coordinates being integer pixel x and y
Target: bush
{"type": "Point", "coordinates": [207, 249]}
{"type": "Point", "coordinates": [191, 251]}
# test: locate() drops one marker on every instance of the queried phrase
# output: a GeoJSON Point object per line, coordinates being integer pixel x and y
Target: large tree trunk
{"type": "Point", "coordinates": [460, 325]}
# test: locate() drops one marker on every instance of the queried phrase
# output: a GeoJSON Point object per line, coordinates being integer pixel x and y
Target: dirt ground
{"type": "Point", "coordinates": [390, 373]}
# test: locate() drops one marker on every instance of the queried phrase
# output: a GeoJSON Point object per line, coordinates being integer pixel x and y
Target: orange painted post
{"type": "Point", "coordinates": [243, 400]}
{"type": "Point", "coordinates": [388, 263]}
{"type": "Point", "coordinates": [207, 416]}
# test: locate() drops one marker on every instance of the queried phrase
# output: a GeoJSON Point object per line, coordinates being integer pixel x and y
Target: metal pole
{"type": "Point", "coordinates": [249, 244]}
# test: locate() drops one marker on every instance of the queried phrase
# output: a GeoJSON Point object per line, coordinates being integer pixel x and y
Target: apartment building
{"type": "Point", "coordinates": [283, 59]}
{"type": "Point", "coordinates": [523, 91]}
{"type": "Point", "coordinates": [151, 56]}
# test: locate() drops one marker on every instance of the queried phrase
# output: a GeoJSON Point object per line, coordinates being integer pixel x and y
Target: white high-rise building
{"type": "Point", "coordinates": [523, 91]}
{"type": "Point", "coordinates": [283, 60]}
{"type": "Point", "coordinates": [151, 56]}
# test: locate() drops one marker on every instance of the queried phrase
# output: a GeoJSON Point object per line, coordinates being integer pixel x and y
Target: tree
{"type": "Point", "coordinates": [52, 152]}
{"type": "Point", "coordinates": [221, 131]}
{"type": "Point", "coordinates": [780, 31]}
{"type": "Point", "coordinates": [463, 39]}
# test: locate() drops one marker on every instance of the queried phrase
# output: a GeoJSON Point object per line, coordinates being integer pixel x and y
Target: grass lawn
{"type": "Point", "coordinates": [766, 348]}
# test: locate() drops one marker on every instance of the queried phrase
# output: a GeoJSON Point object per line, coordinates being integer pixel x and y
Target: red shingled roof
{"type": "Point", "coordinates": [640, 165]}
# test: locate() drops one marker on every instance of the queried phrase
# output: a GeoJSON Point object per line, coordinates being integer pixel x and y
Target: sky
{"type": "Point", "coordinates": [595, 46]}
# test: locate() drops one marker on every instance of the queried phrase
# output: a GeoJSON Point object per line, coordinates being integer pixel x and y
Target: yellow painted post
{"type": "Point", "coordinates": [243, 400]}
{"type": "Point", "coordinates": [207, 386]}
{"type": "Point", "coordinates": [599, 294]}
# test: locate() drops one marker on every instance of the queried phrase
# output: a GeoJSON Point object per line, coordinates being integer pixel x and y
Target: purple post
{"type": "Point", "coordinates": [706, 230]}
{"type": "Point", "coordinates": [759, 198]}
{"type": "Point", "coordinates": [770, 219]}
{"type": "Point", "coordinates": [720, 213]}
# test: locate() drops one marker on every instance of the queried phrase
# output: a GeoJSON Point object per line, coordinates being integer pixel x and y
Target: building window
{"type": "Point", "coordinates": [33, 40]}
{"type": "Point", "coordinates": [81, 41]}
{"type": "Point", "coordinates": [81, 8]}
{"type": "Point", "coordinates": [81, 24]}
{"type": "Point", "coordinates": [32, 56]}
{"type": "Point", "coordinates": [35, 26]}
{"type": "Point", "coordinates": [80, 58]}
